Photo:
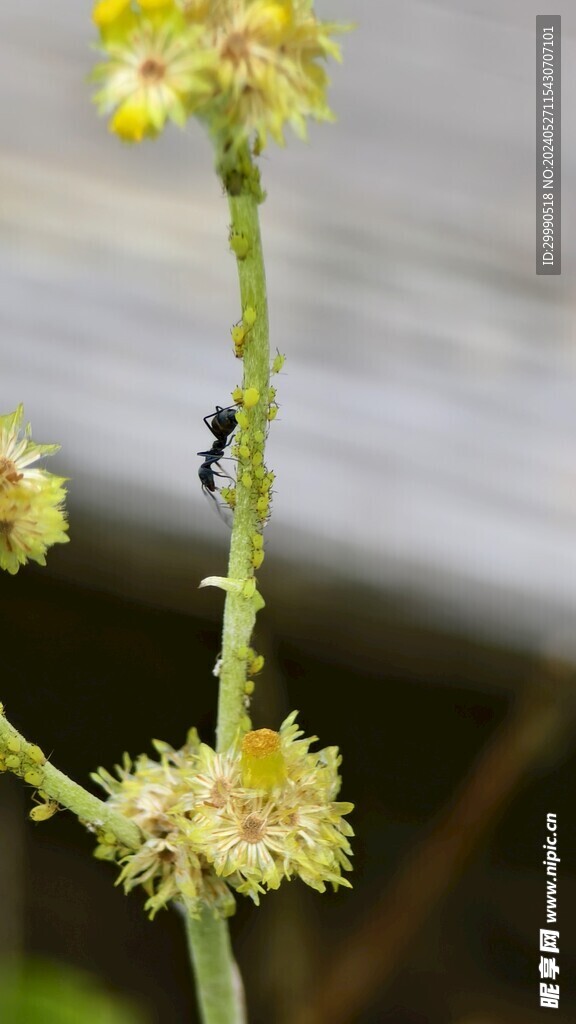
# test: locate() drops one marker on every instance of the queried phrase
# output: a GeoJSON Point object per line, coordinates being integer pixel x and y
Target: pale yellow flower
{"type": "Point", "coordinates": [152, 76]}
{"type": "Point", "coordinates": [31, 499]}
{"type": "Point", "coordinates": [212, 823]}
{"type": "Point", "coordinates": [18, 451]}
{"type": "Point", "coordinates": [268, 71]}
{"type": "Point", "coordinates": [247, 68]}
{"type": "Point", "coordinates": [148, 793]}
{"type": "Point", "coordinates": [281, 822]}
{"type": "Point", "coordinates": [31, 520]}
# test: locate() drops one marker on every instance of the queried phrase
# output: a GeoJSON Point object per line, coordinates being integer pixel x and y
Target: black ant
{"type": "Point", "coordinates": [222, 424]}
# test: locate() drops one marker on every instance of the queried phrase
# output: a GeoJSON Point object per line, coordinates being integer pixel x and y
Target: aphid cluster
{"type": "Point", "coordinates": [248, 449]}
{"type": "Point", "coordinates": [222, 423]}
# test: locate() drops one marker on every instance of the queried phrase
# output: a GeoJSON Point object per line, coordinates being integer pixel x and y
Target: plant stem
{"type": "Point", "coordinates": [218, 982]}
{"type": "Point", "coordinates": [26, 760]}
{"type": "Point", "coordinates": [239, 612]}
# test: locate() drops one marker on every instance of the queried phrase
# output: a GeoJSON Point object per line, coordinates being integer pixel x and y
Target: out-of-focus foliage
{"type": "Point", "coordinates": [40, 992]}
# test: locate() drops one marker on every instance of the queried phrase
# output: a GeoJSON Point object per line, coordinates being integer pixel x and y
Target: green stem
{"type": "Point", "coordinates": [244, 195]}
{"type": "Point", "coordinates": [27, 761]}
{"type": "Point", "coordinates": [218, 982]}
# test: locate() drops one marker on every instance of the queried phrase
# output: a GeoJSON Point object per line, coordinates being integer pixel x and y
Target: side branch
{"type": "Point", "coordinates": [28, 762]}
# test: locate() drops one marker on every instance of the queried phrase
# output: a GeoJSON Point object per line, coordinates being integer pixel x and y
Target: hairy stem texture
{"type": "Point", "coordinates": [218, 982]}
{"type": "Point", "coordinates": [240, 611]}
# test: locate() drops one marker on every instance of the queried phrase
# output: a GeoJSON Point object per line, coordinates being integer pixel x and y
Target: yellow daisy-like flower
{"type": "Point", "coordinates": [246, 839]}
{"type": "Point", "coordinates": [31, 500]}
{"type": "Point", "coordinates": [166, 868]}
{"type": "Point", "coordinates": [278, 818]}
{"type": "Point", "coordinates": [215, 823]}
{"type": "Point", "coordinates": [17, 452]}
{"type": "Point", "coordinates": [152, 76]}
{"type": "Point", "coordinates": [268, 71]}
{"type": "Point", "coordinates": [31, 520]}
{"type": "Point", "coordinates": [247, 68]}
{"type": "Point", "coordinates": [215, 781]}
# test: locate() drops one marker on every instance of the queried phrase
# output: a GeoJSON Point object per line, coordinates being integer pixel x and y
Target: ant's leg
{"type": "Point", "coordinates": [210, 417]}
{"type": "Point", "coordinates": [223, 473]}
{"type": "Point", "coordinates": [224, 511]}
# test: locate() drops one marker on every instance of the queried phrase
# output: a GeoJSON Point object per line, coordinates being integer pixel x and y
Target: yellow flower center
{"type": "Point", "coordinates": [262, 760]}
{"type": "Point", "coordinates": [8, 471]}
{"type": "Point", "coordinates": [151, 71]}
{"type": "Point", "coordinates": [261, 743]}
{"type": "Point", "coordinates": [219, 794]}
{"type": "Point", "coordinates": [256, 33]}
{"type": "Point", "coordinates": [236, 47]}
{"type": "Point", "coordinates": [253, 829]}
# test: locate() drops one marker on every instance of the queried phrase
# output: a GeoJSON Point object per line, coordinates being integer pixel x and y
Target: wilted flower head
{"type": "Point", "coordinates": [245, 67]}
{"type": "Point", "coordinates": [216, 823]}
{"type": "Point", "coordinates": [31, 499]}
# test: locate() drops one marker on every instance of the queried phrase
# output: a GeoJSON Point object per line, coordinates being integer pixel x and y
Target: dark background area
{"type": "Point", "coordinates": [88, 673]}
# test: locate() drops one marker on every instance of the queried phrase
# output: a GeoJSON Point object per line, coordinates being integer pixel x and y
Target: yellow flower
{"type": "Point", "coordinates": [267, 72]}
{"type": "Point", "coordinates": [245, 839]}
{"type": "Point", "coordinates": [131, 121]}
{"type": "Point", "coordinates": [211, 825]}
{"type": "Point", "coordinates": [106, 12]}
{"type": "Point", "coordinates": [164, 866]}
{"type": "Point", "coordinates": [152, 76]}
{"type": "Point", "coordinates": [215, 780]}
{"type": "Point", "coordinates": [31, 500]}
{"type": "Point", "coordinates": [31, 520]}
{"type": "Point", "coordinates": [18, 453]}
{"type": "Point", "coordinates": [279, 818]}
{"type": "Point", "coordinates": [247, 68]}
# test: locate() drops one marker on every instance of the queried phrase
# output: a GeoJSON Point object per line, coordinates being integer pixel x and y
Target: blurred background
{"type": "Point", "coordinates": [420, 575]}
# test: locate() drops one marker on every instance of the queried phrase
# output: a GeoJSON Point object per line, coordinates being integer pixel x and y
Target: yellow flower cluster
{"type": "Point", "coordinates": [237, 821]}
{"type": "Point", "coordinates": [149, 792]}
{"type": "Point", "coordinates": [246, 68]}
{"type": "Point", "coordinates": [31, 500]}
